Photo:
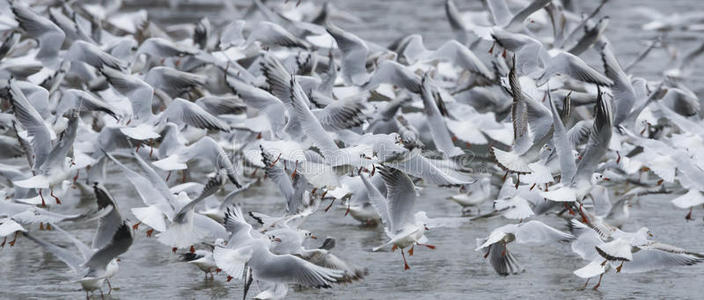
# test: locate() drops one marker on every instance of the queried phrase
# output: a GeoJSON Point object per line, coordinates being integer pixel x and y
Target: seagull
{"type": "Point", "coordinates": [94, 266]}
{"type": "Point", "coordinates": [627, 252]}
{"type": "Point", "coordinates": [246, 246]}
{"type": "Point", "coordinates": [495, 246]}
{"type": "Point", "coordinates": [97, 263]}
{"type": "Point", "coordinates": [402, 225]}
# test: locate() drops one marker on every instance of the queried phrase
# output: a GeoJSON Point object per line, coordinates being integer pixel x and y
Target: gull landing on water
{"type": "Point", "coordinates": [403, 227]}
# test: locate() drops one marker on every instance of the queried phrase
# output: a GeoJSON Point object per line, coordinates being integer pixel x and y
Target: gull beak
{"type": "Point", "coordinates": [118, 259]}
{"type": "Point", "coordinates": [313, 237]}
{"type": "Point", "coordinates": [650, 234]}
{"type": "Point", "coordinates": [277, 240]}
{"type": "Point", "coordinates": [426, 227]}
{"type": "Point", "coordinates": [607, 179]}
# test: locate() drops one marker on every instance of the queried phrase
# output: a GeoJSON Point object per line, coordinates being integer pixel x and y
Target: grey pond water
{"type": "Point", "coordinates": [454, 270]}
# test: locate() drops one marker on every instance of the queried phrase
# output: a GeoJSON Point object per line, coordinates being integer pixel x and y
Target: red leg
{"type": "Point", "coordinates": [151, 149]}
{"type": "Point", "coordinates": [150, 232]}
{"type": "Point", "coordinates": [410, 252]}
{"type": "Point", "coordinates": [405, 264]}
{"type": "Point", "coordinates": [331, 202]}
{"type": "Point", "coordinates": [598, 284]}
{"type": "Point", "coordinates": [42, 196]}
{"type": "Point", "coordinates": [586, 283]}
{"type": "Point", "coordinates": [569, 209]}
{"type": "Point", "coordinates": [688, 217]}
{"type": "Point", "coordinates": [52, 194]}
{"type": "Point", "coordinates": [584, 217]}
{"type": "Point", "coordinates": [14, 239]}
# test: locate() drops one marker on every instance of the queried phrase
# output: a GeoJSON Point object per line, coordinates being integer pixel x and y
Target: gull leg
{"type": "Point", "coordinates": [136, 226]}
{"type": "Point", "coordinates": [3, 242]}
{"type": "Point", "coordinates": [41, 225]}
{"type": "Point", "coordinates": [151, 149]}
{"type": "Point", "coordinates": [87, 297]}
{"type": "Point", "coordinates": [405, 264]}
{"type": "Point", "coordinates": [42, 196]}
{"type": "Point", "coordinates": [51, 189]}
{"type": "Point", "coordinates": [688, 217]}
{"type": "Point", "coordinates": [14, 239]}
{"type": "Point", "coordinates": [410, 252]}
{"type": "Point", "coordinates": [618, 269]}
{"type": "Point", "coordinates": [150, 232]}
{"type": "Point", "coordinates": [348, 207]}
{"type": "Point", "coordinates": [584, 217]}
{"type": "Point", "coordinates": [569, 209]}
{"type": "Point", "coordinates": [109, 286]}
{"type": "Point", "coordinates": [598, 283]}
{"type": "Point", "coordinates": [331, 202]}
{"type": "Point", "coordinates": [168, 175]}
{"type": "Point", "coordinates": [586, 283]}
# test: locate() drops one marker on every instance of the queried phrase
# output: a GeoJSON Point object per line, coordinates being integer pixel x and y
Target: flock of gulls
{"type": "Point", "coordinates": [506, 113]}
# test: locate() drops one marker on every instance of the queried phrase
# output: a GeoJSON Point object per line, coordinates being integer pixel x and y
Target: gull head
{"type": "Point", "coordinates": [307, 234]}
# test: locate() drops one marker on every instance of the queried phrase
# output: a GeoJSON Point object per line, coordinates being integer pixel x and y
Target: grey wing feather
{"type": "Point", "coordinates": [181, 110]}
{"type": "Point", "coordinates": [30, 119]}
{"type": "Point", "coordinates": [519, 17]}
{"type": "Point", "coordinates": [121, 241]}
{"type": "Point", "coordinates": [501, 259]}
{"type": "Point", "coordinates": [69, 258]}
{"type": "Point", "coordinates": [568, 167]}
{"type": "Point", "coordinates": [578, 69]}
{"type": "Point", "coordinates": [354, 55]}
{"type": "Point", "coordinates": [598, 140]}
{"type": "Point", "coordinates": [108, 224]}
{"type": "Point", "coordinates": [499, 11]}
{"type": "Point", "coordinates": [400, 195]}
{"type": "Point", "coordinates": [658, 256]}
{"type": "Point", "coordinates": [396, 74]}
{"type": "Point", "coordinates": [579, 133]}
{"type": "Point", "coordinates": [289, 268]}
{"type": "Point", "coordinates": [342, 114]}
{"type": "Point", "coordinates": [378, 201]}
{"type": "Point", "coordinates": [277, 175]}
{"type": "Point", "coordinates": [436, 122]}
{"type": "Point", "coordinates": [212, 186]}
{"type": "Point", "coordinates": [624, 95]}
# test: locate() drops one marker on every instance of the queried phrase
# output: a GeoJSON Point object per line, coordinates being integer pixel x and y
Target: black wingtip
{"type": "Point", "coordinates": [258, 219]}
